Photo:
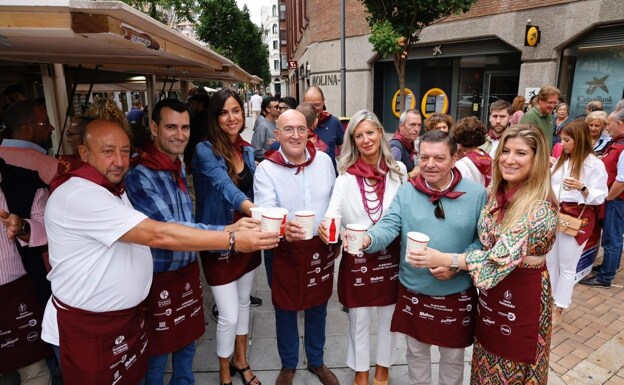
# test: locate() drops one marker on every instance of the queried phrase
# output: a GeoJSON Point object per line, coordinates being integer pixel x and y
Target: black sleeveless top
{"type": "Point", "coordinates": [245, 181]}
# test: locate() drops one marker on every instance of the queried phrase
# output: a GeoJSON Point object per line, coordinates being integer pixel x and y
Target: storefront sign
{"type": "Point", "coordinates": [325, 80]}
{"type": "Point", "coordinates": [531, 36]}
{"type": "Point", "coordinates": [595, 78]}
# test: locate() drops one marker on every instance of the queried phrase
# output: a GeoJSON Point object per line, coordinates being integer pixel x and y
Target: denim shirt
{"type": "Point", "coordinates": [216, 194]}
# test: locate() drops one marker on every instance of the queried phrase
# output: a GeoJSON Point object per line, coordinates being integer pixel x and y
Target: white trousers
{"type": "Point", "coordinates": [419, 364]}
{"type": "Point", "coordinates": [561, 261]}
{"type": "Point", "coordinates": [358, 348]}
{"type": "Point", "coordinates": [233, 302]}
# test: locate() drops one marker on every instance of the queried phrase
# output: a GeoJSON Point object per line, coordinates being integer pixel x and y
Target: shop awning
{"type": "Point", "coordinates": [109, 34]}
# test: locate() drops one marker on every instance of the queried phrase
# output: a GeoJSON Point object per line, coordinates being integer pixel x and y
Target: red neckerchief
{"type": "Point", "coordinates": [318, 142]}
{"type": "Point", "coordinates": [361, 169]}
{"type": "Point", "coordinates": [276, 157]}
{"type": "Point", "coordinates": [483, 162]}
{"type": "Point", "coordinates": [408, 144]}
{"type": "Point", "coordinates": [502, 198]}
{"type": "Point", "coordinates": [434, 196]}
{"type": "Point", "coordinates": [323, 117]}
{"type": "Point", "coordinates": [238, 146]}
{"type": "Point", "coordinates": [71, 167]}
{"type": "Point", "coordinates": [154, 159]}
{"type": "Point", "coordinates": [493, 135]}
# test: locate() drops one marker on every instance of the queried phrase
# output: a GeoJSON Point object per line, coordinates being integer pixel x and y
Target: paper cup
{"type": "Point", "coordinates": [306, 219]}
{"type": "Point", "coordinates": [256, 212]}
{"type": "Point", "coordinates": [355, 237]}
{"type": "Point", "coordinates": [272, 221]}
{"type": "Point", "coordinates": [333, 231]}
{"type": "Point", "coordinates": [274, 213]}
{"type": "Point", "coordinates": [416, 241]}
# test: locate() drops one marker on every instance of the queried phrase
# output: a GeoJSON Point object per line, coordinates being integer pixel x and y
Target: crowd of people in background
{"type": "Point", "coordinates": [105, 244]}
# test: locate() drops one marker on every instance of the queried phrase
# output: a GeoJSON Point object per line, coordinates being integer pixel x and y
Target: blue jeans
{"type": "Point", "coordinates": [612, 230]}
{"type": "Point", "coordinates": [288, 336]}
{"type": "Point", "coordinates": [182, 362]}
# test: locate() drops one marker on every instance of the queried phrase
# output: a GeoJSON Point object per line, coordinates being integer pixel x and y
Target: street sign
{"type": "Point", "coordinates": [292, 64]}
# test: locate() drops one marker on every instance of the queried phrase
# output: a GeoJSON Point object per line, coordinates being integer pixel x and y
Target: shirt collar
{"type": "Point", "coordinates": [286, 159]}
{"type": "Point", "coordinates": [18, 143]}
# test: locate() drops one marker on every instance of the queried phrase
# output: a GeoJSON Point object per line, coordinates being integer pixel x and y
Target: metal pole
{"type": "Point", "coordinates": [343, 67]}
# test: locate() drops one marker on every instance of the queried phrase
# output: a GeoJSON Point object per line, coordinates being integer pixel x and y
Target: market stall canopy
{"type": "Point", "coordinates": [109, 34]}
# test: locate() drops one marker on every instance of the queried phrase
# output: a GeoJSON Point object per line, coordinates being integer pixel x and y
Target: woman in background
{"type": "Point", "coordinates": [475, 164]}
{"type": "Point", "coordinates": [438, 121]}
{"type": "Point", "coordinates": [597, 121]}
{"type": "Point", "coordinates": [518, 110]}
{"type": "Point", "coordinates": [580, 181]}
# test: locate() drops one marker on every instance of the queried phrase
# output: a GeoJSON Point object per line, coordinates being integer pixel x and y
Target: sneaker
{"type": "Point", "coordinates": [255, 301]}
{"type": "Point", "coordinates": [594, 282]}
{"type": "Point", "coordinates": [215, 313]}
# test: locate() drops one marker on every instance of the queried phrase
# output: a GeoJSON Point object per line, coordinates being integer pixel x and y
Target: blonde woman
{"type": "Point", "coordinates": [517, 228]}
{"type": "Point", "coordinates": [597, 121]}
{"type": "Point", "coordinates": [368, 179]}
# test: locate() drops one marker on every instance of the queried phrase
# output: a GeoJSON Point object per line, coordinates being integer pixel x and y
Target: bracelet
{"type": "Point", "coordinates": [232, 243]}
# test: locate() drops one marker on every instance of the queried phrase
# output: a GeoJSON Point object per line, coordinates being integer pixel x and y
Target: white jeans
{"type": "Point", "coordinates": [419, 364]}
{"type": "Point", "coordinates": [358, 348]}
{"type": "Point", "coordinates": [232, 300]}
{"type": "Point", "coordinates": [561, 261]}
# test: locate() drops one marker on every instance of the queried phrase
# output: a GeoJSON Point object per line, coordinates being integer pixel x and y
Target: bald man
{"type": "Point", "coordinates": [329, 129]}
{"type": "Point", "coordinates": [298, 177]}
{"type": "Point", "coordinates": [102, 265]}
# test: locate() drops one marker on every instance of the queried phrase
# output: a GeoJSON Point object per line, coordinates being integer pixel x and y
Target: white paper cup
{"type": "Point", "coordinates": [272, 221]}
{"type": "Point", "coordinates": [256, 212]}
{"type": "Point", "coordinates": [277, 212]}
{"type": "Point", "coordinates": [416, 241]}
{"type": "Point", "coordinates": [333, 232]}
{"type": "Point", "coordinates": [355, 237]}
{"type": "Point", "coordinates": [306, 219]}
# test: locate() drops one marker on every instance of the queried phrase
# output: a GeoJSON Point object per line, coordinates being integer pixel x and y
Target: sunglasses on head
{"type": "Point", "coordinates": [438, 211]}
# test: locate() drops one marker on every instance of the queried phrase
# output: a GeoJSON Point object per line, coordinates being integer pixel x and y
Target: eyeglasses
{"type": "Point", "coordinates": [290, 130]}
{"type": "Point", "coordinates": [274, 106]}
{"type": "Point", "coordinates": [439, 210]}
{"type": "Point", "coordinates": [69, 134]}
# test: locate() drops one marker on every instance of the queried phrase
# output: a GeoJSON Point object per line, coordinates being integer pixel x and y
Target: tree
{"type": "Point", "coordinates": [230, 32]}
{"type": "Point", "coordinates": [166, 11]}
{"type": "Point", "coordinates": [396, 26]}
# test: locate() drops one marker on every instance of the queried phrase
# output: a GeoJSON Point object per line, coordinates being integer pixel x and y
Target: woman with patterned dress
{"type": "Point", "coordinates": [223, 169]}
{"type": "Point", "coordinates": [368, 180]}
{"type": "Point", "coordinates": [517, 229]}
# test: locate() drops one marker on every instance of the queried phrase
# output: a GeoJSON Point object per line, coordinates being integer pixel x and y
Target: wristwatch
{"type": "Point", "coordinates": [25, 228]}
{"type": "Point", "coordinates": [582, 189]}
{"type": "Point", "coordinates": [454, 263]}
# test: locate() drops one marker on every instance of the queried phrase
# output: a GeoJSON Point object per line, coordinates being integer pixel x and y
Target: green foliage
{"type": "Point", "coordinates": [230, 32]}
{"type": "Point", "coordinates": [165, 11]}
{"type": "Point", "coordinates": [385, 39]}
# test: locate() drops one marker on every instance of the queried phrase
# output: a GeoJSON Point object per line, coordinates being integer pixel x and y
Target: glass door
{"type": "Point", "coordinates": [498, 85]}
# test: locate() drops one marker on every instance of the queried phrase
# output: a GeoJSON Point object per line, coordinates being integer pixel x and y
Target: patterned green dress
{"type": "Point", "coordinates": [533, 235]}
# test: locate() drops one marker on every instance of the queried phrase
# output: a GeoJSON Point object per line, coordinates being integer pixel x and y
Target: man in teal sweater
{"type": "Point", "coordinates": [435, 306]}
{"type": "Point", "coordinates": [542, 114]}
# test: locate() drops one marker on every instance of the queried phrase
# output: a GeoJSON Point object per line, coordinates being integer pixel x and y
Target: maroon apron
{"type": "Point", "coordinates": [303, 274]}
{"type": "Point", "coordinates": [222, 269]}
{"type": "Point", "coordinates": [108, 348]}
{"type": "Point", "coordinates": [446, 321]}
{"type": "Point", "coordinates": [370, 279]}
{"type": "Point", "coordinates": [509, 314]}
{"type": "Point", "coordinates": [20, 326]}
{"type": "Point", "coordinates": [175, 311]}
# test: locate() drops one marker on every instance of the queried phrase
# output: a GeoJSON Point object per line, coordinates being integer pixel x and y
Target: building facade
{"type": "Point", "coordinates": [462, 64]}
{"type": "Point", "coordinates": [270, 26]}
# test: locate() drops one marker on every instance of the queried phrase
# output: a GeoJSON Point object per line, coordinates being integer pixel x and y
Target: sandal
{"type": "Point", "coordinates": [234, 370]}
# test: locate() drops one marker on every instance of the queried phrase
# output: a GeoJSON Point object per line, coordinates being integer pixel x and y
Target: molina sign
{"type": "Point", "coordinates": [325, 80]}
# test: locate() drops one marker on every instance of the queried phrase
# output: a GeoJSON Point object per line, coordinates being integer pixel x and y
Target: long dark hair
{"type": "Point", "coordinates": [578, 130]}
{"type": "Point", "coordinates": [221, 142]}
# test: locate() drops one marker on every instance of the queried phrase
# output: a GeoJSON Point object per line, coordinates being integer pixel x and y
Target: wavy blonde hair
{"type": "Point", "coordinates": [350, 152]}
{"type": "Point", "coordinates": [104, 108]}
{"type": "Point", "coordinates": [537, 187]}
